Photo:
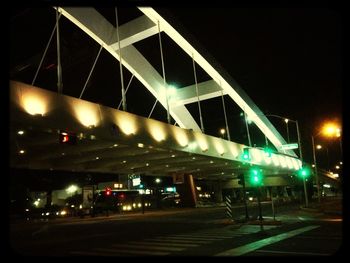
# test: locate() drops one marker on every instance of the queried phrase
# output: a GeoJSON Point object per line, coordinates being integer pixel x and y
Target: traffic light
{"type": "Point", "coordinates": [246, 155]}
{"type": "Point", "coordinates": [304, 172]}
{"type": "Point", "coordinates": [108, 191]}
{"type": "Point", "coordinates": [256, 177]}
{"type": "Point", "coordinates": [67, 138]}
{"type": "Point", "coordinates": [268, 151]}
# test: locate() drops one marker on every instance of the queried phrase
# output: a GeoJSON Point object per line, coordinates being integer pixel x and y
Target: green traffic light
{"type": "Point", "coordinates": [268, 151]}
{"type": "Point", "coordinates": [246, 155]}
{"type": "Point", "coordinates": [256, 177]}
{"type": "Point", "coordinates": [304, 172]}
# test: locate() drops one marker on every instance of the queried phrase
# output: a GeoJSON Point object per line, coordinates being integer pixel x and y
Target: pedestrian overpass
{"type": "Point", "coordinates": [115, 141]}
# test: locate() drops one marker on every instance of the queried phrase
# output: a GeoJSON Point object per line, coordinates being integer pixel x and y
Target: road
{"type": "Point", "coordinates": [185, 232]}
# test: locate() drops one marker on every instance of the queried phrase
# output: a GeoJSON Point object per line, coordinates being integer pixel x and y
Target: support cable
{"type": "Point", "coordinates": [47, 47]}
{"type": "Point", "coordinates": [126, 91]}
{"type": "Point", "coordinates": [154, 105]}
{"type": "Point", "coordinates": [223, 106]}
{"type": "Point", "coordinates": [199, 104]}
{"type": "Point", "coordinates": [120, 62]}
{"type": "Point", "coordinates": [59, 68]}
{"type": "Point", "coordinates": [92, 69]}
{"type": "Point", "coordinates": [163, 70]}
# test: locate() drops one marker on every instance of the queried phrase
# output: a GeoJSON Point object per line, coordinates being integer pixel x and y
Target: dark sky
{"type": "Point", "coordinates": [288, 61]}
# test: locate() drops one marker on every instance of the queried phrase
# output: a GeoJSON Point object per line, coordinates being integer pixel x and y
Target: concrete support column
{"type": "Point", "coordinates": [187, 191]}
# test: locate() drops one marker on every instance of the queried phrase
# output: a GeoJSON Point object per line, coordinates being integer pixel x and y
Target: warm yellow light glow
{"type": "Point", "coordinates": [181, 136]}
{"type": "Point", "coordinates": [140, 145]}
{"type": "Point", "coordinates": [157, 131]}
{"type": "Point", "coordinates": [86, 113]}
{"type": "Point", "coordinates": [267, 159]}
{"type": "Point", "coordinates": [21, 151]}
{"type": "Point", "coordinates": [34, 104]}
{"type": "Point", "coordinates": [20, 132]}
{"type": "Point", "coordinates": [296, 164]}
{"type": "Point", "coordinates": [256, 154]}
{"type": "Point", "coordinates": [219, 147]}
{"type": "Point", "coordinates": [126, 123]}
{"type": "Point", "coordinates": [282, 160]}
{"type": "Point", "coordinates": [337, 167]}
{"type": "Point", "coordinates": [202, 141]}
{"type": "Point", "coordinates": [71, 189]}
{"type": "Point", "coordinates": [286, 120]}
{"type": "Point", "coordinates": [289, 162]}
{"type": "Point", "coordinates": [234, 150]}
{"type": "Point", "coordinates": [275, 159]}
{"type": "Point", "coordinates": [222, 131]}
{"type": "Point", "coordinates": [318, 147]}
{"type": "Point", "coordinates": [331, 129]}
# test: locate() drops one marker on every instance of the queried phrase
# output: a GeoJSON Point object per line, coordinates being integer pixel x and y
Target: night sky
{"type": "Point", "coordinates": [288, 61]}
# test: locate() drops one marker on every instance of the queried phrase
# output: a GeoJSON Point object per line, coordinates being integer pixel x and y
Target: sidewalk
{"type": "Point", "coordinates": [333, 206]}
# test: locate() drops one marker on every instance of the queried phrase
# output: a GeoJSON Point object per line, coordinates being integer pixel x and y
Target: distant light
{"type": "Point", "coordinates": [140, 145]}
{"type": "Point", "coordinates": [193, 158]}
{"type": "Point", "coordinates": [158, 180]}
{"type": "Point", "coordinates": [211, 161]}
{"type": "Point", "coordinates": [337, 167]}
{"type": "Point", "coordinates": [124, 161]}
{"type": "Point", "coordinates": [115, 145]}
{"type": "Point", "coordinates": [318, 146]}
{"type": "Point", "coordinates": [286, 120]}
{"type": "Point", "coordinates": [167, 165]}
{"type": "Point", "coordinates": [147, 164]}
{"type": "Point", "coordinates": [97, 157]}
{"type": "Point", "coordinates": [21, 151]}
{"type": "Point", "coordinates": [327, 186]}
{"type": "Point", "coordinates": [71, 189]}
{"type": "Point", "coordinates": [20, 132]}
{"type": "Point", "coordinates": [173, 155]}
{"type": "Point", "coordinates": [336, 175]}
{"type": "Point", "coordinates": [313, 165]}
{"type": "Point", "coordinates": [222, 131]}
{"type": "Point", "coordinates": [340, 162]}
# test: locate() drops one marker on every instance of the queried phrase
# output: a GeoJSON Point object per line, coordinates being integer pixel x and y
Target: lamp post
{"type": "Point", "coordinates": [316, 174]}
{"type": "Point", "coordinates": [331, 130]}
{"type": "Point", "coordinates": [286, 120]}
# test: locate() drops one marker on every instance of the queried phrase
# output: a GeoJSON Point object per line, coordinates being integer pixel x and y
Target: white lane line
{"type": "Point", "coordinates": [161, 242]}
{"type": "Point", "coordinates": [147, 247]}
{"type": "Point", "coordinates": [193, 238]}
{"type": "Point", "coordinates": [291, 252]}
{"type": "Point", "coordinates": [202, 236]}
{"type": "Point", "coordinates": [179, 241]}
{"type": "Point", "coordinates": [264, 242]}
{"type": "Point", "coordinates": [132, 252]}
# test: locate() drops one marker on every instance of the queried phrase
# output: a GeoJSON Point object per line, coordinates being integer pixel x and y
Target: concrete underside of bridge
{"type": "Point", "coordinates": [113, 141]}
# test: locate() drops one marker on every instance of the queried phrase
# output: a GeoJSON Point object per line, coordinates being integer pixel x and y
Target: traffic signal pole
{"type": "Point", "coordinates": [244, 197]}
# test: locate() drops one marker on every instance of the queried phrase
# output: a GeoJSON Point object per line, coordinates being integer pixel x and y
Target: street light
{"type": "Point", "coordinates": [286, 120]}
{"type": "Point", "coordinates": [331, 130]}
{"type": "Point", "coordinates": [222, 132]}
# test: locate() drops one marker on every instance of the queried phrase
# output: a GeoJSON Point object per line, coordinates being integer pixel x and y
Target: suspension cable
{"type": "Point", "coordinates": [246, 125]}
{"type": "Point", "coordinates": [223, 106]}
{"type": "Point", "coordinates": [126, 91]}
{"type": "Point", "coordinates": [92, 69]}
{"type": "Point", "coordinates": [46, 48]}
{"type": "Point", "coordinates": [59, 68]}
{"type": "Point", "coordinates": [120, 62]}
{"type": "Point", "coordinates": [164, 80]}
{"type": "Point", "coordinates": [154, 105]}
{"type": "Point", "coordinates": [199, 104]}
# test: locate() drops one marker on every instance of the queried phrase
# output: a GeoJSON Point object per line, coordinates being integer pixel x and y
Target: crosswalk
{"type": "Point", "coordinates": [169, 244]}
